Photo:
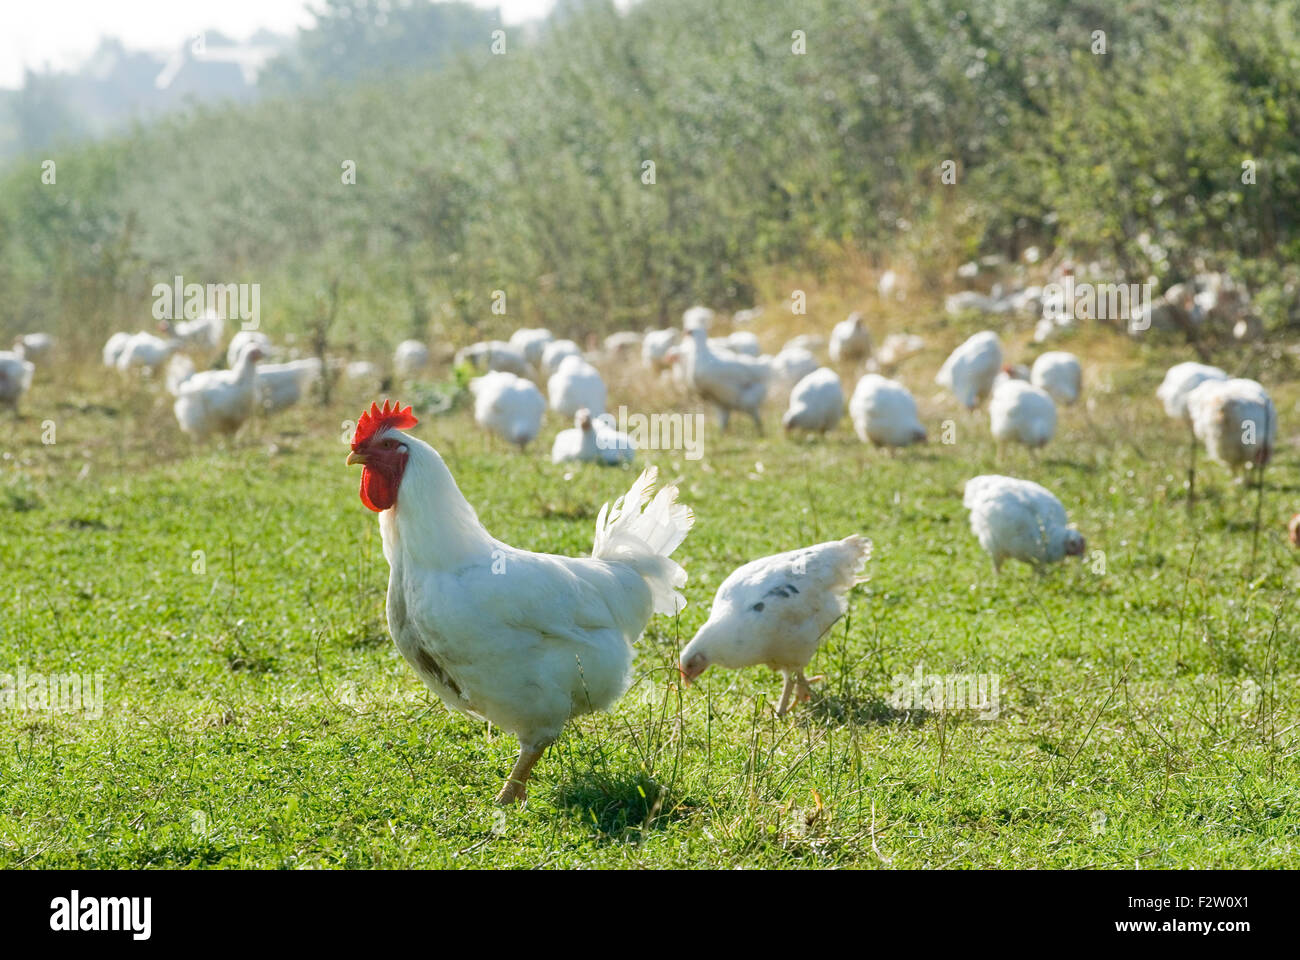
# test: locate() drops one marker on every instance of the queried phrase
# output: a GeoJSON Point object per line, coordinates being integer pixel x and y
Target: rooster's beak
{"type": "Point", "coordinates": [355, 457]}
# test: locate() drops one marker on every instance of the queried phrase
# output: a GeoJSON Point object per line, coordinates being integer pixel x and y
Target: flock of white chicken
{"type": "Point", "coordinates": [551, 637]}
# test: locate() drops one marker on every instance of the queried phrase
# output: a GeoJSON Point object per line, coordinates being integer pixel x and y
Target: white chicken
{"type": "Point", "coordinates": [621, 345]}
{"type": "Point", "coordinates": [523, 640]}
{"type": "Point", "coordinates": [1020, 412]}
{"type": "Point", "coordinates": [531, 341]}
{"type": "Point", "coordinates": [697, 318]}
{"type": "Point", "coordinates": [1060, 374]}
{"type": "Point", "coordinates": [812, 342]}
{"type": "Point", "coordinates": [494, 355]}
{"type": "Point", "coordinates": [217, 401]}
{"type": "Point", "coordinates": [730, 382]}
{"type": "Point", "coordinates": [509, 406]}
{"type": "Point", "coordinates": [774, 612]}
{"type": "Point", "coordinates": [114, 346]}
{"type": "Point", "coordinates": [203, 333]}
{"type": "Point", "coordinates": [554, 353]}
{"type": "Point", "coordinates": [896, 348]}
{"type": "Point", "coordinates": [970, 370]}
{"type": "Point", "coordinates": [36, 346]}
{"type": "Point", "coordinates": [816, 402]}
{"type": "Point", "coordinates": [1180, 380]}
{"type": "Point", "coordinates": [1019, 520]}
{"type": "Point", "coordinates": [850, 340]}
{"type": "Point", "coordinates": [1236, 420]}
{"type": "Point", "coordinates": [591, 440]}
{"type": "Point", "coordinates": [146, 352]}
{"type": "Point", "coordinates": [1173, 393]}
{"type": "Point", "coordinates": [884, 413]}
{"type": "Point", "coordinates": [576, 385]}
{"type": "Point", "coordinates": [281, 385]}
{"type": "Point", "coordinates": [655, 346]}
{"type": "Point", "coordinates": [791, 365]}
{"type": "Point", "coordinates": [16, 373]}
{"type": "Point", "coordinates": [242, 340]}
{"type": "Point", "coordinates": [410, 359]}
{"type": "Point", "coordinates": [742, 341]}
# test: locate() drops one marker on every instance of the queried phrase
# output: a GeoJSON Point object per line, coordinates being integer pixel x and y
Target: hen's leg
{"type": "Point", "coordinates": [516, 787]}
{"type": "Point", "coordinates": [786, 692]}
{"type": "Point", "coordinates": [758, 421]}
{"type": "Point", "coordinates": [802, 689]}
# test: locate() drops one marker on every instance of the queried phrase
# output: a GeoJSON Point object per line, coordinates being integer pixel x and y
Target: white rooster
{"type": "Point", "coordinates": [509, 406]}
{"type": "Point", "coordinates": [591, 440]}
{"type": "Point", "coordinates": [729, 382]}
{"type": "Point", "coordinates": [1021, 413]}
{"type": "Point", "coordinates": [576, 384]}
{"type": "Point", "coordinates": [774, 612]}
{"type": "Point", "coordinates": [523, 640]}
{"type": "Point", "coordinates": [850, 340]}
{"type": "Point", "coordinates": [1060, 374]}
{"type": "Point", "coordinates": [1019, 520]}
{"type": "Point", "coordinates": [816, 402]}
{"type": "Point", "coordinates": [884, 413]}
{"type": "Point", "coordinates": [970, 370]}
{"type": "Point", "coordinates": [216, 401]}
{"type": "Point", "coordinates": [1236, 420]}
{"type": "Point", "coordinates": [16, 373]}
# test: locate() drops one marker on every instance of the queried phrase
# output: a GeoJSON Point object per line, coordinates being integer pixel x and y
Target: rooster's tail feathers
{"type": "Point", "coordinates": [644, 537]}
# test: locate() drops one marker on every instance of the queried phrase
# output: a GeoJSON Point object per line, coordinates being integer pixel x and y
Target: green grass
{"type": "Point", "coordinates": [257, 715]}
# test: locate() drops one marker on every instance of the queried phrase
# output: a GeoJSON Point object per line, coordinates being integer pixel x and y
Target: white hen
{"type": "Point", "coordinates": [884, 413]}
{"type": "Point", "coordinates": [531, 341]}
{"type": "Point", "coordinates": [970, 370]}
{"type": "Point", "coordinates": [410, 358]}
{"type": "Point", "coordinates": [1019, 520]}
{"type": "Point", "coordinates": [791, 365]}
{"type": "Point", "coordinates": [143, 351]}
{"type": "Point", "coordinates": [729, 382]}
{"type": "Point", "coordinates": [774, 612]}
{"type": "Point", "coordinates": [494, 355]}
{"type": "Point", "coordinates": [576, 385]}
{"type": "Point", "coordinates": [281, 385]}
{"type": "Point", "coordinates": [216, 401]}
{"type": "Point", "coordinates": [1180, 380]}
{"type": "Point", "coordinates": [523, 640]}
{"type": "Point", "coordinates": [36, 346]}
{"type": "Point", "coordinates": [655, 346]}
{"type": "Point", "coordinates": [509, 406]}
{"type": "Point", "coordinates": [553, 355]}
{"type": "Point", "coordinates": [591, 440]}
{"type": "Point", "coordinates": [242, 340]}
{"type": "Point", "coordinates": [1020, 412]}
{"type": "Point", "coordinates": [16, 373]}
{"type": "Point", "coordinates": [816, 402]}
{"type": "Point", "coordinates": [1236, 420]}
{"type": "Point", "coordinates": [1060, 374]}
{"type": "Point", "coordinates": [850, 340]}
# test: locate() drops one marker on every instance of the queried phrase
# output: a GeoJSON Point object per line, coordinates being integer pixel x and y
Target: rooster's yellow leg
{"type": "Point", "coordinates": [516, 787]}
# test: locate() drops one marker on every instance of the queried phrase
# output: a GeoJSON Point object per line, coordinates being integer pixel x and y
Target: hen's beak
{"type": "Point", "coordinates": [686, 679]}
{"type": "Point", "coordinates": [355, 457]}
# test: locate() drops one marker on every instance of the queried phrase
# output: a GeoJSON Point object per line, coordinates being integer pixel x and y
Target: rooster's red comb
{"type": "Point", "coordinates": [376, 419]}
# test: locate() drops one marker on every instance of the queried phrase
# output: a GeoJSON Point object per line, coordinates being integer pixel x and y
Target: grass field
{"type": "Point", "coordinates": [256, 714]}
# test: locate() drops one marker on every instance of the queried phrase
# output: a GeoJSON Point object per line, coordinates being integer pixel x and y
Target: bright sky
{"type": "Point", "coordinates": [62, 33]}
